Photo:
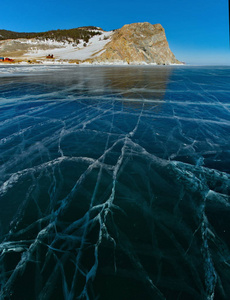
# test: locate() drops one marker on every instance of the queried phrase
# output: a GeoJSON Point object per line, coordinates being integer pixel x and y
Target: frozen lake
{"type": "Point", "coordinates": [114, 183]}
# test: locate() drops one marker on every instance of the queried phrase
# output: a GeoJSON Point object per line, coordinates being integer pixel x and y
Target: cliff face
{"type": "Point", "coordinates": [138, 43]}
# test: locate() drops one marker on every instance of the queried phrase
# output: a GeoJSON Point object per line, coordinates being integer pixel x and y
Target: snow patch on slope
{"type": "Point", "coordinates": [72, 51]}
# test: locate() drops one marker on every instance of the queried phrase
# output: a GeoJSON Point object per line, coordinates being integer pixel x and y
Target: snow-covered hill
{"type": "Point", "coordinates": [68, 50]}
{"type": "Point", "coordinates": [35, 49]}
{"type": "Point", "coordinates": [138, 43]}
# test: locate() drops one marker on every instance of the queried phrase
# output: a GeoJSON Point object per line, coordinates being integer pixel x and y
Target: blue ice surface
{"type": "Point", "coordinates": [114, 182]}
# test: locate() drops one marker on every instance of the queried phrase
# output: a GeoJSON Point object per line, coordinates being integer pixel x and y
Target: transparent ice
{"type": "Point", "coordinates": [114, 183]}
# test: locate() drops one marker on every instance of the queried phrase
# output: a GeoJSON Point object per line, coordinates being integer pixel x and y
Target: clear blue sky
{"type": "Point", "coordinates": [197, 31]}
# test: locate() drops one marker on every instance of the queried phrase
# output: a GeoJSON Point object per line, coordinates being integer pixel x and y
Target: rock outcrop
{"type": "Point", "coordinates": [138, 43]}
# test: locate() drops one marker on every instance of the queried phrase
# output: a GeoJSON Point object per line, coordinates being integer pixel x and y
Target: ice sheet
{"type": "Point", "coordinates": [114, 183]}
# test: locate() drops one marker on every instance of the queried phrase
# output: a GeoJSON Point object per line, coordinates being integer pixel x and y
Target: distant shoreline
{"type": "Point", "coordinates": [58, 63]}
{"type": "Point", "coordinates": [24, 63]}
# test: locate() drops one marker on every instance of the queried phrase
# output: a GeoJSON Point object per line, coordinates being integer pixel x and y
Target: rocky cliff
{"type": "Point", "coordinates": [138, 43]}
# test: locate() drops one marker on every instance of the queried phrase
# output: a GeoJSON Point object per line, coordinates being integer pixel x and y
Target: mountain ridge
{"type": "Point", "coordinates": [85, 33]}
{"type": "Point", "coordinates": [136, 43]}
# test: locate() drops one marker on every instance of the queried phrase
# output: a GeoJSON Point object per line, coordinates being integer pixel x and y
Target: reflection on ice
{"type": "Point", "coordinates": [114, 184]}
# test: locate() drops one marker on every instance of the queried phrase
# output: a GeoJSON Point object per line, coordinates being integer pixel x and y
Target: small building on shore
{"type": "Point", "coordinates": [6, 59]}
